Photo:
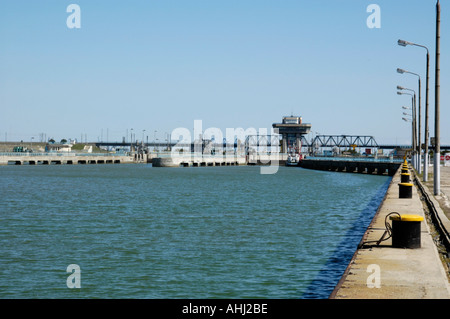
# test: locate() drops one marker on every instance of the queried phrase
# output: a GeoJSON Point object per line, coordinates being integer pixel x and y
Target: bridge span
{"type": "Point", "coordinates": [357, 141]}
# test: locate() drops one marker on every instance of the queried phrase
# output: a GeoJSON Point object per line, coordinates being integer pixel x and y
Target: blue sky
{"type": "Point", "coordinates": [158, 65]}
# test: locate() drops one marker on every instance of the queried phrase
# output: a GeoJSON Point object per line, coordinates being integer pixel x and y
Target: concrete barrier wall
{"type": "Point", "coordinates": [352, 166]}
{"type": "Point", "coordinates": [198, 160]}
{"type": "Point", "coordinates": [265, 159]}
{"type": "Point", "coordinates": [70, 159]}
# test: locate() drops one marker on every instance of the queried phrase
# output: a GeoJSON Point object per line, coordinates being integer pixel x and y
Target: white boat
{"type": "Point", "coordinates": [293, 160]}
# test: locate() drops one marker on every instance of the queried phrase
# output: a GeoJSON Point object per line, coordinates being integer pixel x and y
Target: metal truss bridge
{"type": "Point", "coordinates": [344, 141]}
{"type": "Point", "coordinates": [319, 141]}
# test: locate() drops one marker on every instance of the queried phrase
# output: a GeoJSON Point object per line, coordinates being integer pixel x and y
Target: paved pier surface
{"type": "Point", "coordinates": [403, 273]}
{"type": "Point", "coordinates": [444, 197]}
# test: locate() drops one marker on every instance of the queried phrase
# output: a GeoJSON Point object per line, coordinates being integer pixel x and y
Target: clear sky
{"type": "Point", "coordinates": [157, 65]}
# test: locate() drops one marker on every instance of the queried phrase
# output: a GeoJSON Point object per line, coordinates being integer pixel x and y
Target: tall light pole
{"type": "Point", "coordinates": [413, 110]}
{"type": "Point", "coordinates": [437, 148]}
{"type": "Point", "coordinates": [427, 137]}
{"type": "Point", "coordinates": [407, 119]}
{"type": "Point", "coordinates": [419, 139]}
{"type": "Point", "coordinates": [416, 162]}
{"type": "Point", "coordinates": [412, 128]}
{"type": "Point", "coordinates": [131, 137]}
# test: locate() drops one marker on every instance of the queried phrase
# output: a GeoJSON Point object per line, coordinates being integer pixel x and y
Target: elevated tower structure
{"type": "Point", "coordinates": [292, 130]}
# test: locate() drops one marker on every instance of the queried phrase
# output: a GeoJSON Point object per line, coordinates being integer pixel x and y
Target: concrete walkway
{"type": "Point", "coordinates": [384, 272]}
{"type": "Point", "coordinates": [444, 197]}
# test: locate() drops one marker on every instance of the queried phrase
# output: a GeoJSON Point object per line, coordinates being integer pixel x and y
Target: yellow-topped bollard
{"type": "Point", "coordinates": [406, 231]}
{"type": "Point", "coordinates": [405, 177]}
{"type": "Point", "coordinates": [405, 190]}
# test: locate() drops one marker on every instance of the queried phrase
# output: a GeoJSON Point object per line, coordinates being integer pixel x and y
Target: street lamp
{"type": "Point", "coordinates": [413, 107]}
{"type": "Point", "coordinates": [413, 122]}
{"type": "Point", "coordinates": [427, 138]}
{"type": "Point", "coordinates": [412, 134]}
{"type": "Point", "coordinates": [401, 71]}
{"type": "Point", "coordinates": [437, 134]}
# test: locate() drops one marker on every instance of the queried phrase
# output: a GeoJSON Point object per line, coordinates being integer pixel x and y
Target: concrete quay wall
{"type": "Point", "coordinates": [61, 158]}
{"type": "Point", "coordinates": [380, 271]}
{"type": "Point", "coordinates": [352, 166]}
{"type": "Point", "coordinates": [267, 159]}
{"type": "Point", "coordinates": [194, 161]}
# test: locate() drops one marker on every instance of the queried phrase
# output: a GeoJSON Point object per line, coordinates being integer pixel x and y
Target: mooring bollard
{"type": "Point", "coordinates": [405, 190]}
{"type": "Point", "coordinates": [406, 231]}
{"type": "Point", "coordinates": [405, 177]}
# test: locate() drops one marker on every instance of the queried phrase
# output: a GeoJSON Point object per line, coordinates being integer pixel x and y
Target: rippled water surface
{"type": "Point", "coordinates": [202, 232]}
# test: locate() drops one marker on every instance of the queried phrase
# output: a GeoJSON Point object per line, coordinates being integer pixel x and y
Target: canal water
{"type": "Point", "coordinates": [136, 231]}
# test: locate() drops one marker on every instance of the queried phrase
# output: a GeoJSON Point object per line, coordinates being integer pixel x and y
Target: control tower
{"type": "Point", "coordinates": [291, 130]}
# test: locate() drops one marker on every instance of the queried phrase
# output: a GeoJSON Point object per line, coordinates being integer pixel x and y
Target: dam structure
{"type": "Point", "coordinates": [63, 158]}
{"type": "Point", "coordinates": [292, 131]}
{"type": "Point", "coordinates": [286, 145]}
{"type": "Point", "coordinates": [256, 150]}
{"type": "Point", "coordinates": [197, 160]}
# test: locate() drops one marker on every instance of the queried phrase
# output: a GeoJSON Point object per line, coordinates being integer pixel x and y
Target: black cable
{"type": "Point", "coordinates": [387, 231]}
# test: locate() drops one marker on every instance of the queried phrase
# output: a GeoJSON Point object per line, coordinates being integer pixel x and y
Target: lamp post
{"type": "Point", "coordinates": [414, 112]}
{"type": "Point", "coordinates": [131, 139]}
{"type": "Point", "coordinates": [437, 148]}
{"type": "Point", "coordinates": [419, 139]}
{"type": "Point", "coordinates": [427, 138]}
{"type": "Point", "coordinates": [407, 114]}
{"type": "Point", "coordinates": [412, 127]}
{"type": "Point", "coordinates": [406, 119]}
{"type": "Point", "coordinates": [414, 139]}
